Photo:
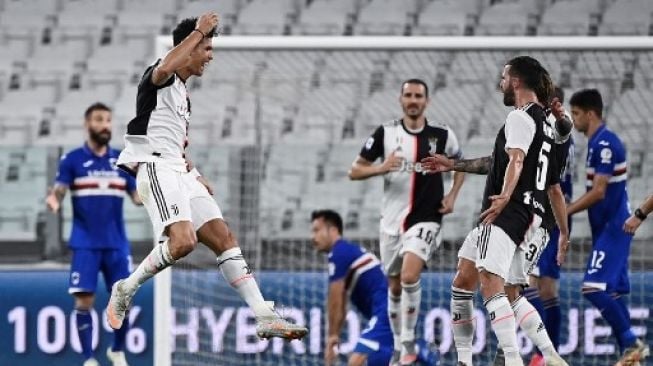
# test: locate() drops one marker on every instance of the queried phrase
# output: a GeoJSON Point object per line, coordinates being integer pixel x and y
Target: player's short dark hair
{"type": "Point", "coordinates": [185, 28]}
{"type": "Point", "coordinates": [330, 217]}
{"type": "Point", "coordinates": [416, 81]}
{"type": "Point", "coordinates": [97, 106]}
{"type": "Point", "coordinates": [559, 93]}
{"type": "Point", "coordinates": [588, 100]}
{"type": "Point", "coordinates": [534, 76]}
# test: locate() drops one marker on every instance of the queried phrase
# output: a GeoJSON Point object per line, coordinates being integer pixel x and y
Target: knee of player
{"type": "Point", "coordinates": [357, 359]}
{"type": "Point", "coordinates": [182, 245]}
{"type": "Point", "coordinates": [465, 281]}
{"type": "Point", "coordinates": [409, 277]}
{"type": "Point", "coordinates": [84, 301]}
{"type": "Point", "coordinates": [589, 290]}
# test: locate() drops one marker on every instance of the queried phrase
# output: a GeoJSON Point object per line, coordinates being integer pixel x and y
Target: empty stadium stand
{"type": "Point", "coordinates": [57, 57]}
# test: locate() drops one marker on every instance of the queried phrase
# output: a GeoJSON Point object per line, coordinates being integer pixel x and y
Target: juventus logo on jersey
{"type": "Point", "coordinates": [433, 145]}
{"type": "Point", "coordinates": [175, 209]}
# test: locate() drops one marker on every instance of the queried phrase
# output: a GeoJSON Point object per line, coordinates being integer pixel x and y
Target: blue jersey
{"type": "Point", "coordinates": [364, 280]}
{"type": "Point", "coordinates": [566, 180]}
{"type": "Point", "coordinates": [606, 155]}
{"type": "Point", "coordinates": [97, 190]}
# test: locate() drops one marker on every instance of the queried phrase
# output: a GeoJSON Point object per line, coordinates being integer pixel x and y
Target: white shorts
{"type": "Point", "coordinates": [492, 250]}
{"type": "Point", "coordinates": [421, 239]}
{"type": "Point", "coordinates": [534, 250]}
{"type": "Point", "coordinates": [171, 196]}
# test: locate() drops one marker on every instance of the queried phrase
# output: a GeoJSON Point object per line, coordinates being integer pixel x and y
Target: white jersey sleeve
{"type": "Point", "coordinates": [519, 130]}
{"type": "Point", "coordinates": [452, 147]}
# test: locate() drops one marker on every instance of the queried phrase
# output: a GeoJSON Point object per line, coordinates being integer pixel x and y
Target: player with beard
{"type": "Point", "coordinates": [519, 178]}
{"type": "Point", "coordinates": [98, 241]}
{"type": "Point", "coordinates": [413, 205]}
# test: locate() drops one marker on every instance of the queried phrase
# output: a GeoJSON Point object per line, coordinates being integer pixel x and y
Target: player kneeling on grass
{"type": "Point", "coordinates": [354, 271]}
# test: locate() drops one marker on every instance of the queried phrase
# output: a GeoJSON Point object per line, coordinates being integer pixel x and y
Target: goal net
{"type": "Point", "coordinates": [277, 122]}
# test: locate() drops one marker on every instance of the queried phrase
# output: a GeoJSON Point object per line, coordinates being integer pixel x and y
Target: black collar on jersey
{"type": "Point", "coordinates": [414, 133]}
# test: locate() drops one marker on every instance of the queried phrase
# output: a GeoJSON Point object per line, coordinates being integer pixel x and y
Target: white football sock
{"type": "Point", "coordinates": [502, 320]}
{"type": "Point", "coordinates": [394, 307]}
{"type": "Point", "coordinates": [236, 271]}
{"type": "Point", "coordinates": [411, 297]}
{"type": "Point", "coordinates": [463, 323]}
{"type": "Point", "coordinates": [529, 321]}
{"type": "Point", "coordinates": [155, 262]}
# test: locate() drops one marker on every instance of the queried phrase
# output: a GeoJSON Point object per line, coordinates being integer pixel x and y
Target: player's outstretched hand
{"type": "Point", "coordinates": [392, 163]}
{"type": "Point", "coordinates": [631, 225]}
{"type": "Point", "coordinates": [206, 184]}
{"type": "Point", "coordinates": [206, 22]}
{"type": "Point", "coordinates": [563, 246]}
{"type": "Point", "coordinates": [499, 202]}
{"type": "Point", "coordinates": [331, 350]}
{"type": "Point", "coordinates": [436, 163]}
{"type": "Point", "coordinates": [52, 201]}
{"type": "Point", "coordinates": [557, 109]}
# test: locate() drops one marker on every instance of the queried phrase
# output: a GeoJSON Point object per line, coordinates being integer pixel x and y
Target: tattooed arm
{"type": "Point", "coordinates": [476, 166]}
{"type": "Point", "coordinates": [56, 194]}
{"type": "Point", "coordinates": [440, 163]}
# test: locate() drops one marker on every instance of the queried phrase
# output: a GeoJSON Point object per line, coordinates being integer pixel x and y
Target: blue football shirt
{"type": "Point", "coordinates": [97, 190]}
{"type": "Point", "coordinates": [364, 280]}
{"type": "Point", "coordinates": [606, 155]}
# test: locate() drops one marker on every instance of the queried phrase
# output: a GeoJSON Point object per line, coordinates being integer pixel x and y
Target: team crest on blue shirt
{"type": "Point", "coordinates": [433, 145]}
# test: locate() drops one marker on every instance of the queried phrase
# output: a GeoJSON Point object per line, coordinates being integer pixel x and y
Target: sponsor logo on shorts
{"type": "Point", "coordinates": [74, 278]}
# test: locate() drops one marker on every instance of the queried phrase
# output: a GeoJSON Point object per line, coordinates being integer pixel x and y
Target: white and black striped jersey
{"type": "Point", "coordinates": [410, 196]}
{"type": "Point", "coordinates": [160, 129]}
{"type": "Point", "coordinates": [525, 129]}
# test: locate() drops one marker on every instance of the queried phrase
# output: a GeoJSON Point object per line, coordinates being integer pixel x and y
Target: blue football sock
{"type": "Point", "coordinates": [119, 336]}
{"type": "Point", "coordinates": [552, 320]}
{"type": "Point", "coordinates": [612, 311]}
{"type": "Point", "coordinates": [85, 331]}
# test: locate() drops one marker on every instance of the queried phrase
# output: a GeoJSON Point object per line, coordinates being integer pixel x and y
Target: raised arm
{"type": "Point", "coordinates": [440, 163]}
{"type": "Point", "coordinates": [178, 55]}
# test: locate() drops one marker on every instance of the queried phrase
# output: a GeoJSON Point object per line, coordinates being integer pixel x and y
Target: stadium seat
{"type": "Point", "coordinates": [508, 18]}
{"type": "Point", "coordinates": [261, 17]}
{"type": "Point", "coordinates": [447, 18]}
{"type": "Point", "coordinates": [386, 17]}
{"type": "Point", "coordinates": [325, 17]}
{"type": "Point", "coordinates": [627, 17]}
{"type": "Point", "coordinates": [570, 17]}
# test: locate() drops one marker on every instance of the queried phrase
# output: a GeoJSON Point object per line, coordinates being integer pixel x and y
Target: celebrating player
{"type": "Point", "coordinates": [413, 205]}
{"type": "Point", "coordinates": [640, 214]}
{"type": "Point", "coordinates": [543, 290]}
{"type": "Point", "coordinates": [606, 201]}
{"type": "Point", "coordinates": [517, 179]}
{"type": "Point", "coordinates": [98, 239]}
{"type": "Point", "coordinates": [179, 202]}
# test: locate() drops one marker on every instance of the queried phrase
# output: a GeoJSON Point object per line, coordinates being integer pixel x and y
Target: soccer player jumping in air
{"type": "Point", "coordinates": [179, 201]}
